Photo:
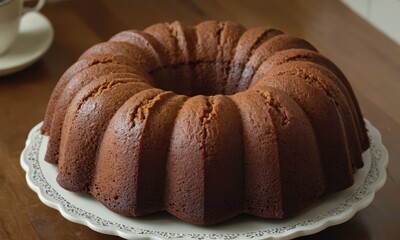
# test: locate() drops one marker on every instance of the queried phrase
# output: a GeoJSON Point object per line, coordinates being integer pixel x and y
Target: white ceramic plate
{"type": "Point", "coordinates": [81, 208]}
{"type": "Point", "coordinates": [34, 39]}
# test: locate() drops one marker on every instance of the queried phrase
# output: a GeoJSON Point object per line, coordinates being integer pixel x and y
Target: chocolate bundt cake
{"type": "Point", "coordinates": [204, 122]}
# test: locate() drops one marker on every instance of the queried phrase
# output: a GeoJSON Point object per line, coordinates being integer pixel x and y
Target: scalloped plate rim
{"type": "Point", "coordinates": [293, 233]}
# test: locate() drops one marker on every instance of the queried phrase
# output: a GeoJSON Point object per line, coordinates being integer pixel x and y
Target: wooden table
{"type": "Point", "coordinates": [370, 60]}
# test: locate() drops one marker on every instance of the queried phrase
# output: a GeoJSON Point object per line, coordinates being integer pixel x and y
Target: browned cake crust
{"type": "Point", "coordinates": [205, 122]}
{"type": "Point", "coordinates": [144, 123]}
{"type": "Point", "coordinates": [75, 84]}
{"type": "Point", "coordinates": [204, 183]}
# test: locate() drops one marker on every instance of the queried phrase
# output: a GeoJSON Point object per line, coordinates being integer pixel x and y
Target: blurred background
{"type": "Point", "coordinates": [382, 14]}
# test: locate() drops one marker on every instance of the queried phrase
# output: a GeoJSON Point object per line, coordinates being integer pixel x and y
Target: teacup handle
{"type": "Point", "coordinates": [36, 8]}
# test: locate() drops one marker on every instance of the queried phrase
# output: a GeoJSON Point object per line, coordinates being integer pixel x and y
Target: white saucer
{"type": "Point", "coordinates": [34, 39]}
{"type": "Point", "coordinates": [81, 208]}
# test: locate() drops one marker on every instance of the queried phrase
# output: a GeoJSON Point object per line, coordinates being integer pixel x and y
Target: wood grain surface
{"type": "Point", "coordinates": [369, 59]}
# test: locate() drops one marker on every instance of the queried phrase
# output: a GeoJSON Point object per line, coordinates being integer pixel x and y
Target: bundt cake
{"type": "Point", "coordinates": [204, 122]}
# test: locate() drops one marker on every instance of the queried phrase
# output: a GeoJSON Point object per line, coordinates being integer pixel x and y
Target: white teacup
{"type": "Point", "coordinates": [11, 12]}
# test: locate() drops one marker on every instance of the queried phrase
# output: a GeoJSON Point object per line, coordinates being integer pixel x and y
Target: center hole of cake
{"type": "Point", "coordinates": [191, 79]}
